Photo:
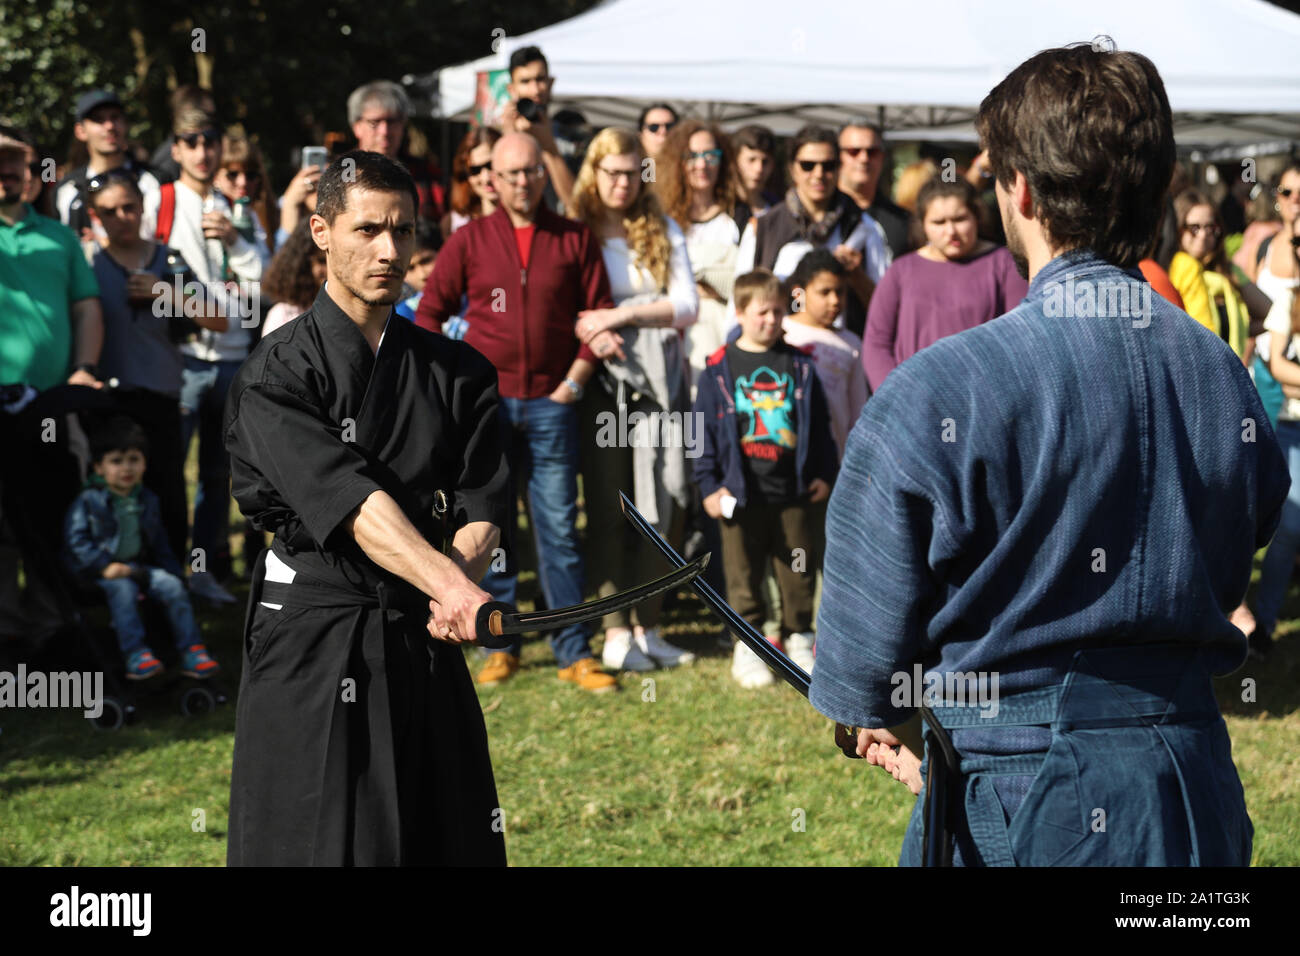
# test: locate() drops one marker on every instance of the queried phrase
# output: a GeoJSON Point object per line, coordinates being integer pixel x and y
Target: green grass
{"type": "Point", "coordinates": [689, 769]}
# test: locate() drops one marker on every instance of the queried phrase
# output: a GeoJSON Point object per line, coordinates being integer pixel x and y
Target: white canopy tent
{"type": "Point", "coordinates": [1230, 67]}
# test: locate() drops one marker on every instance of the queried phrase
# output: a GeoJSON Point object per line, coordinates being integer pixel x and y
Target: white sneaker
{"type": "Point", "coordinates": [659, 650]}
{"type": "Point", "coordinates": [799, 648]}
{"type": "Point", "coordinates": [748, 668]}
{"type": "Point", "coordinates": [203, 584]}
{"type": "Point", "coordinates": [622, 654]}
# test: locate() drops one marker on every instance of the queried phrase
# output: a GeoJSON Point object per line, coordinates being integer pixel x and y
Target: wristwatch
{"type": "Point", "coordinates": [575, 388]}
{"type": "Point", "coordinates": [89, 367]}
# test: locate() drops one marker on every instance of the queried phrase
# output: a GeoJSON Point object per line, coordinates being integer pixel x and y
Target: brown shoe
{"type": "Point", "coordinates": [587, 674]}
{"type": "Point", "coordinates": [500, 667]}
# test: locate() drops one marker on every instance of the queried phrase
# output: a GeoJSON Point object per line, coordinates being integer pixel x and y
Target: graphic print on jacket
{"type": "Point", "coordinates": [766, 419]}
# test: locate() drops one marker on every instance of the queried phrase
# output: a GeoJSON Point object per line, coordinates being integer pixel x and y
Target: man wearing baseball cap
{"type": "Point", "coordinates": [101, 125]}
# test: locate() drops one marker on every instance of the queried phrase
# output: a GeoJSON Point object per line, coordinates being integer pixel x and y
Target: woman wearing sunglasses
{"type": "Point", "coordinates": [697, 186]}
{"type": "Point", "coordinates": [1224, 300]}
{"type": "Point", "coordinates": [816, 213]}
{"type": "Point", "coordinates": [1215, 294]}
{"type": "Point", "coordinates": [473, 194]}
{"type": "Point", "coordinates": [650, 280]}
{"type": "Point", "coordinates": [1282, 330]}
{"type": "Point", "coordinates": [1275, 264]}
{"type": "Point", "coordinates": [655, 124]}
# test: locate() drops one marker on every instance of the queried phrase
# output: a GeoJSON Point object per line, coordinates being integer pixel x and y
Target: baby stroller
{"type": "Point", "coordinates": [39, 477]}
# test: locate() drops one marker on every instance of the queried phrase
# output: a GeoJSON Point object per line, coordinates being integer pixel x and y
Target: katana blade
{"type": "Point", "coordinates": [498, 620]}
{"type": "Point", "coordinates": [937, 849]}
{"type": "Point", "coordinates": [786, 669]}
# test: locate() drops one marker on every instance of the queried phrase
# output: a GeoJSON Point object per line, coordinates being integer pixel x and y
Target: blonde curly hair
{"type": "Point", "coordinates": [647, 228]}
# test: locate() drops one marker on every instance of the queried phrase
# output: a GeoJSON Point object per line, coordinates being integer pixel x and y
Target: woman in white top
{"type": "Point", "coordinates": [636, 421]}
{"type": "Point", "coordinates": [1277, 271]}
{"type": "Point", "coordinates": [696, 182]}
{"type": "Point", "coordinates": [1281, 328]}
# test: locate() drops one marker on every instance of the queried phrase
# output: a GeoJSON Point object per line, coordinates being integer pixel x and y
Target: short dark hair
{"type": "Point", "coordinates": [525, 55]}
{"type": "Point", "coordinates": [754, 137]}
{"type": "Point", "coordinates": [747, 288]}
{"type": "Point", "coordinates": [358, 167]}
{"type": "Point", "coordinates": [428, 235]}
{"type": "Point", "coordinates": [813, 134]}
{"type": "Point", "coordinates": [119, 433]}
{"type": "Point", "coordinates": [114, 177]}
{"type": "Point", "coordinates": [811, 265]}
{"type": "Point", "coordinates": [640, 120]}
{"type": "Point", "coordinates": [1093, 135]}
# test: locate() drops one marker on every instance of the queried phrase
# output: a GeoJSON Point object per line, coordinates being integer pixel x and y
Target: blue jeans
{"type": "Point", "coordinates": [1279, 560]}
{"type": "Point", "coordinates": [544, 455]}
{"type": "Point", "coordinates": [123, 596]}
{"type": "Point", "coordinates": [203, 404]}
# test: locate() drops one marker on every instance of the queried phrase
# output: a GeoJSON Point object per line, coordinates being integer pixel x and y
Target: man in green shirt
{"type": "Point", "coordinates": [46, 291]}
{"type": "Point", "coordinates": [51, 330]}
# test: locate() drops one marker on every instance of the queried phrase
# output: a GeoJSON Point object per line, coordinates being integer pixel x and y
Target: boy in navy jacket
{"type": "Point", "coordinates": [114, 538]}
{"type": "Point", "coordinates": [766, 464]}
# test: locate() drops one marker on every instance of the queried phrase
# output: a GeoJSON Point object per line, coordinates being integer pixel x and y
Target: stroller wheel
{"type": "Point", "coordinates": [113, 716]}
{"type": "Point", "coordinates": [197, 700]}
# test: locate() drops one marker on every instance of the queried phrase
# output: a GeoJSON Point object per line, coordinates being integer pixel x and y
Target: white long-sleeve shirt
{"type": "Point", "coordinates": [205, 258]}
{"type": "Point", "coordinates": [627, 278]}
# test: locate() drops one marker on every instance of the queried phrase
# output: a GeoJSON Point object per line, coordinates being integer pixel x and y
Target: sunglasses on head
{"type": "Point", "coordinates": [853, 152]}
{"type": "Point", "coordinates": [657, 127]}
{"type": "Point", "coordinates": [210, 137]}
{"type": "Point", "coordinates": [808, 165]}
{"type": "Point", "coordinates": [99, 183]}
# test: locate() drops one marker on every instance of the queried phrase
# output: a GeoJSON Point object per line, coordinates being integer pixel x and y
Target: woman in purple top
{"type": "Point", "coordinates": [954, 282]}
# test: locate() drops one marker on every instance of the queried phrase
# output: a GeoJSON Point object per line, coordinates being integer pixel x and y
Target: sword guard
{"type": "Point", "coordinates": [487, 624]}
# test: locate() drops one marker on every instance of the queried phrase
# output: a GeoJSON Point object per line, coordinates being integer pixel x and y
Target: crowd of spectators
{"type": "Point", "coordinates": [761, 288]}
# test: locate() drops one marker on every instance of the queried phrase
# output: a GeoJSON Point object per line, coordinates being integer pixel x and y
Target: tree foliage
{"type": "Point", "coordinates": [282, 68]}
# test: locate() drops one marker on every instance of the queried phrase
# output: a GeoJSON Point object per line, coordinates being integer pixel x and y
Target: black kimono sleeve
{"type": "Point", "coordinates": [285, 452]}
{"type": "Point", "coordinates": [482, 489]}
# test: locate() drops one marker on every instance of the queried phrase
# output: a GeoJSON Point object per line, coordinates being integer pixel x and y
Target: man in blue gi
{"type": "Point", "coordinates": [1051, 514]}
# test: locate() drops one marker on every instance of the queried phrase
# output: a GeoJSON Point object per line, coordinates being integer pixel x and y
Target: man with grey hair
{"type": "Point", "coordinates": [377, 114]}
{"type": "Point", "coordinates": [862, 163]}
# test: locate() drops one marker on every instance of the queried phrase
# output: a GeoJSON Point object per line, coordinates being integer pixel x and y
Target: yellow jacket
{"type": "Point", "coordinates": [1199, 289]}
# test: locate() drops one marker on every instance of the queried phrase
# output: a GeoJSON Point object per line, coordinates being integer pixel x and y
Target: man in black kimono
{"type": "Point", "coordinates": [359, 740]}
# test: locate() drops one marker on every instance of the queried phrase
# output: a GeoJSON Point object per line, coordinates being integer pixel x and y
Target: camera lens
{"type": "Point", "coordinates": [527, 108]}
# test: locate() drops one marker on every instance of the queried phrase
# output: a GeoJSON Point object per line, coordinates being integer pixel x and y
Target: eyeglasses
{"type": "Point", "coordinates": [1285, 193]}
{"type": "Point", "coordinates": [619, 175]}
{"type": "Point", "coordinates": [1196, 228]}
{"type": "Point", "coordinates": [711, 157]}
{"type": "Point", "coordinates": [529, 172]}
{"type": "Point", "coordinates": [210, 137]}
{"type": "Point", "coordinates": [829, 165]}
{"type": "Point", "coordinates": [873, 152]}
{"type": "Point", "coordinates": [473, 171]}
{"type": "Point", "coordinates": [379, 121]}
{"type": "Point", "coordinates": [658, 127]}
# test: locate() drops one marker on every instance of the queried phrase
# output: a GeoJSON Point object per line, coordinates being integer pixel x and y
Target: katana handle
{"type": "Point", "coordinates": [487, 624]}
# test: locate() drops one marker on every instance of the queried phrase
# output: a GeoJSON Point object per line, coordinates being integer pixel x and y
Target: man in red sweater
{"type": "Point", "coordinates": [527, 273]}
